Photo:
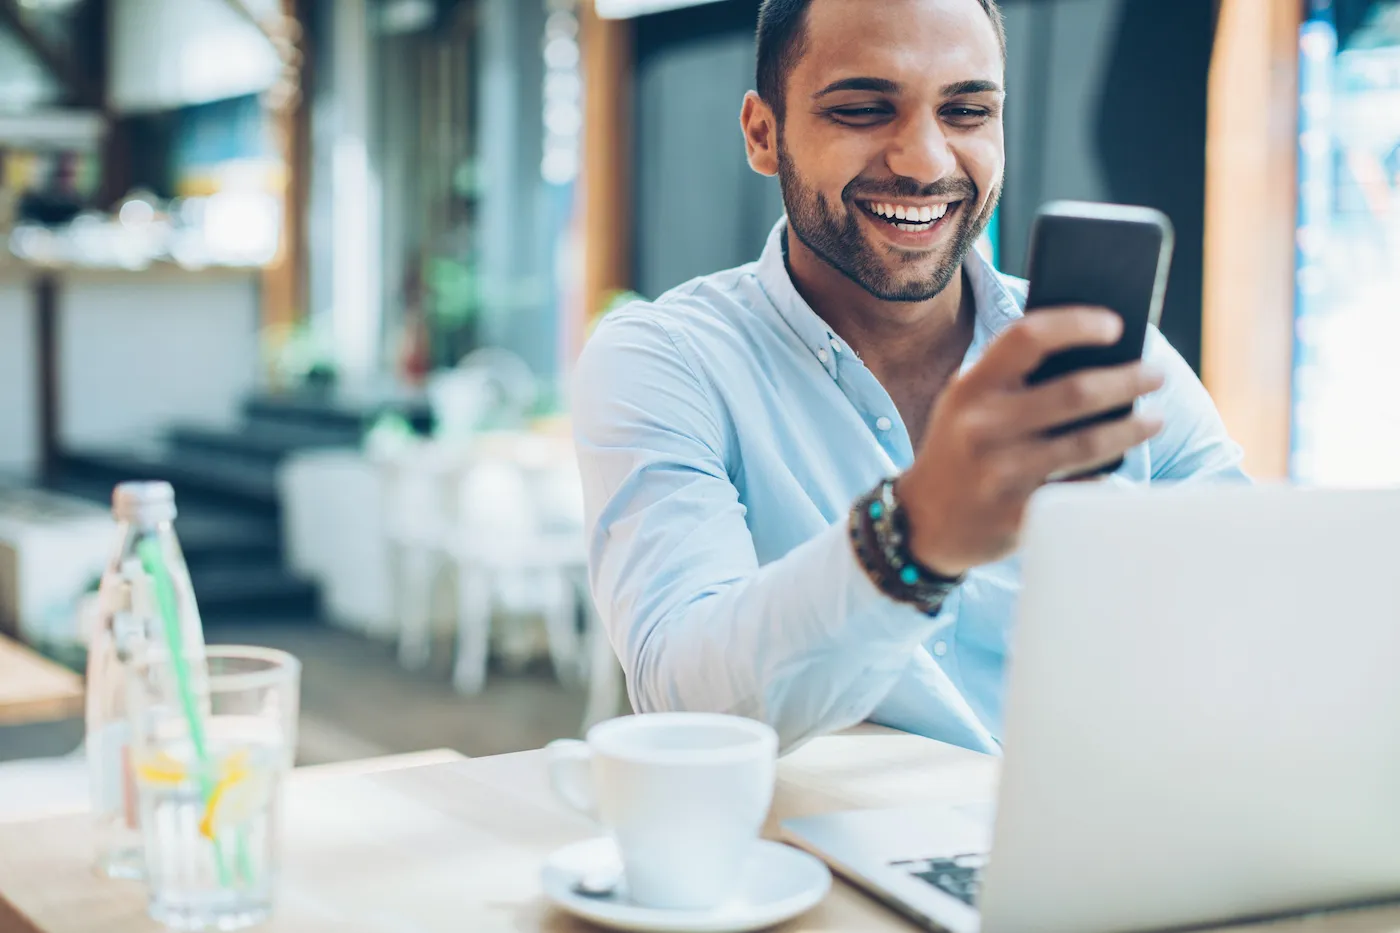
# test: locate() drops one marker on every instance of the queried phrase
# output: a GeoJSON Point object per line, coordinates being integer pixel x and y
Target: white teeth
{"type": "Point", "coordinates": [915, 219]}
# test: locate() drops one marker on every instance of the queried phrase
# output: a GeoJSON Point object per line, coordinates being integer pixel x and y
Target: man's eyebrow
{"type": "Point", "coordinates": [886, 86]}
{"type": "Point", "coordinates": [971, 87]}
{"type": "Point", "coordinates": [877, 85]}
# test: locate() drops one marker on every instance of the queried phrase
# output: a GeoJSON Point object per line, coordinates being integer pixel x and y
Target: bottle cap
{"type": "Point", "coordinates": [144, 503]}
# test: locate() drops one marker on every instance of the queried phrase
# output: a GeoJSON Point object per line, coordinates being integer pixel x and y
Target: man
{"type": "Point", "coordinates": [734, 436]}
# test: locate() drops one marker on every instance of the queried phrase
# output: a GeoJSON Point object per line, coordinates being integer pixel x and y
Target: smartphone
{"type": "Point", "coordinates": [1105, 255]}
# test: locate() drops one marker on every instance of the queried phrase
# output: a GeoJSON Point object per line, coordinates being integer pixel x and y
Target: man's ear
{"type": "Point", "coordinates": [760, 134]}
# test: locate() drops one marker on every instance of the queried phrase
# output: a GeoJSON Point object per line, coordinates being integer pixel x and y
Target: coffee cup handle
{"type": "Point", "coordinates": [571, 775]}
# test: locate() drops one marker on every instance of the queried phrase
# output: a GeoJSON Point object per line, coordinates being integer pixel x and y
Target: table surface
{"type": "Point", "coordinates": [35, 689]}
{"type": "Point", "coordinates": [441, 843]}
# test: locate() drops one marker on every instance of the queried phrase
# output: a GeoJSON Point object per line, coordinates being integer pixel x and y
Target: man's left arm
{"type": "Point", "coordinates": [1194, 444]}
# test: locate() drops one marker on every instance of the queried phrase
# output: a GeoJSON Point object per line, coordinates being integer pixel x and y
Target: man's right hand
{"type": "Point", "coordinates": [987, 447]}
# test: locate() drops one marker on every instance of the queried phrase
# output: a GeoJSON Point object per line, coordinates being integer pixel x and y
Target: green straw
{"type": "Point", "coordinates": [153, 562]}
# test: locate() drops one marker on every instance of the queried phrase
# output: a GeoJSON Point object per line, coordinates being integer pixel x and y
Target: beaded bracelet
{"type": "Point", "coordinates": [879, 536]}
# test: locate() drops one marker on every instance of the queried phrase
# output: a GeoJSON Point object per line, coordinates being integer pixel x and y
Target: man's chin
{"type": "Point", "coordinates": [910, 294]}
{"type": "Point", "coordinates": [899, 282]}
{"type": "Point", "coordinates": [884, 272]}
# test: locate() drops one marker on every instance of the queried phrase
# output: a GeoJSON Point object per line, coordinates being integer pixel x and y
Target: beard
{"type": "Point", "coordinates": [835, 235]}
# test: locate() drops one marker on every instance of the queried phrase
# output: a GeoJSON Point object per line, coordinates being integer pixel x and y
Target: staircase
{"type": "Point", "coordinates": [226, 491]}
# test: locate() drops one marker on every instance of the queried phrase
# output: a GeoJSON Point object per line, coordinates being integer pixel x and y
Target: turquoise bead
{"type": "Point", "coordinates": [876, 510]}
{"type": "Point", "coordinates": [910, 576]}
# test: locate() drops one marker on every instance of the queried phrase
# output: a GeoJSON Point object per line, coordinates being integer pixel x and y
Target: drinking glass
{"type": "Point", "coordinates": [211, 743]}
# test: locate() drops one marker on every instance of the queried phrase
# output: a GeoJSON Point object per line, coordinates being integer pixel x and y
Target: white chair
{"type": "Point", "coordinates": [507, 512]}
{"type": "Point", "coordinates": [419, 505]}
{"type": "Point", "coordinates": [522, 548]}
{"type": "Point", "coordinates": [511, 557]}
{"type": "Point", "coordinates": [487, 386]}
{"type": "Point", "coordinates": [559, 492]}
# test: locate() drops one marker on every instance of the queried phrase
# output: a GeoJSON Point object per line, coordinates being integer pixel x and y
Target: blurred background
{"type": "Point", "coordinates": [325, 265]}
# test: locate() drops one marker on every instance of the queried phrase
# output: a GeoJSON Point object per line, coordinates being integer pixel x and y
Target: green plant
{"type": "Point", "coordinates": [296, 354]}
{"type": "Point", "coordinates": [455, 291]}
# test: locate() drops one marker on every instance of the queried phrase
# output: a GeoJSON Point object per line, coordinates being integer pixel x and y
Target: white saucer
{"type": "Point", "coordinates": [780, 883]}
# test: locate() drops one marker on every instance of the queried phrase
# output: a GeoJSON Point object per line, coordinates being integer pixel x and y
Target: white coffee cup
{"type": "Point", "coordinates": [683, 794]}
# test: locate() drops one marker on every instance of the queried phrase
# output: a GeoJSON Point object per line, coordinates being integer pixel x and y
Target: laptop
{"type": "Point", "coordinates": [1202, 723]}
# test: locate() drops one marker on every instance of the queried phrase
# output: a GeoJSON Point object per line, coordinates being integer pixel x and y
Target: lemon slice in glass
{"type": "Point", "coordinates": [235, 764]}
{"type": "Point", "coordinates": [242, 792]}
{"type": "Point", "coordinates": [162, 769]}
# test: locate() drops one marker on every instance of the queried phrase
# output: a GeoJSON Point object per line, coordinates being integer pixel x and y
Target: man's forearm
{"type": "Point", "coordinates": [806, 644]}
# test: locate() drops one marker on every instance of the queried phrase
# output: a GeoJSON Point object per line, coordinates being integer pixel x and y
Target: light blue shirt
{"type": "Point", "coordinates": [724, 432]}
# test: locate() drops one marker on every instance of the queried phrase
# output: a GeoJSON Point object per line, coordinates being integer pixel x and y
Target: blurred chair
{"type": "Point", "coordinates": [504, 509]}
{"type": "Point", "coordinates": [521, 550]}
{"type": "Point", "coordinates": [488, 386]}
{"type": "Point", "coordinates": [419, 483]}
{"type": "Point", "coordinates": [519, 544]}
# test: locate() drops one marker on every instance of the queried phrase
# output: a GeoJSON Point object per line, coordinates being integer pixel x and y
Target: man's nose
{"type": "Point", "coordinates": [920, 151]}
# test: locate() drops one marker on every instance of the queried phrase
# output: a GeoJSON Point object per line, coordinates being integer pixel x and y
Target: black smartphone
{"type": "Point", "coordinates": [1105, 255]}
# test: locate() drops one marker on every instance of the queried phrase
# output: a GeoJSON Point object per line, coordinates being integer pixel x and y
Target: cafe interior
{"type": "Point", "coordinates": [325, 269]}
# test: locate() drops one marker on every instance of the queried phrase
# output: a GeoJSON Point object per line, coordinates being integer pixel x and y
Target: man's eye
{"type": "Point", "coordinates": [859, 114]}
{"type": "Point", "coordinates": [966, 114]}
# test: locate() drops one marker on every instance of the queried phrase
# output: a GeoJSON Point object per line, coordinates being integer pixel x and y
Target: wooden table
{"type": "Point", "coordinates": [34, 689]}
{"type": "Point", "coordinates": [443, 844]}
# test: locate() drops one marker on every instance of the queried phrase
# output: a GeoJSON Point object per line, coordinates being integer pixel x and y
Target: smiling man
{"type": "Point", "coordinates": [805, 477]}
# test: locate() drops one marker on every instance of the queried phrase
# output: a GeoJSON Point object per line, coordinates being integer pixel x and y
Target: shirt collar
{"type": "Point", "coordinates": [995, 299]}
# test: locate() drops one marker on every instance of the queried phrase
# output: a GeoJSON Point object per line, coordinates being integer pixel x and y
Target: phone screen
{"type": "Point", "coordinates": [1105, 256]}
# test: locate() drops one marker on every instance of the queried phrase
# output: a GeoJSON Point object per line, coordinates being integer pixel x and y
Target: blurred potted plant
{"type": "Point", "coordinates": [298, 356]}
{"type": "Point", "coordinates": [454, 303]}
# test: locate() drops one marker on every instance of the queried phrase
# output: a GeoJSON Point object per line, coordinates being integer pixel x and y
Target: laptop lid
{"type": "Point", "coordinates": [1203, 710]}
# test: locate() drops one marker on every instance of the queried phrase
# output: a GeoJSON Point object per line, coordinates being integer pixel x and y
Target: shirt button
{"type": "Point", "coordinates": [883, 423]}
{"type": "Point", "coordinates": [836, 346]}
{"type": "Point", "coordinates": [940, 648]}
{"type": "Point", "coordinates": [823, 355]}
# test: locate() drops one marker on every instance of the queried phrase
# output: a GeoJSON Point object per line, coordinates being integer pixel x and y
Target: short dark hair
{"type": "Point", "coordinates": [782, 38]}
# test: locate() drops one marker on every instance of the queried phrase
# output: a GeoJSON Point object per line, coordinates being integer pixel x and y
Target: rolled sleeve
{"type": "Point", "coordinates": [1194, 444]}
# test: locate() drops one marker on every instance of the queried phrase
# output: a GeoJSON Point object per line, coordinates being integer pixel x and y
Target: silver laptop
{"type": "Point", "coordinates": [1202, 723]}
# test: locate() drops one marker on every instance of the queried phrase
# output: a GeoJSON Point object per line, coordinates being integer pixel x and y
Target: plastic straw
{"type": "Point", "coordinates": [149, 551]}
{"type": "Point", "coordinates": [153, 562]}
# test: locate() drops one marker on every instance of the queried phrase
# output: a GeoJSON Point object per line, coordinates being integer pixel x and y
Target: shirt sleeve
{"type": "Point", "coordinates": [805, 643]}
{"type": "Point", "coordinates": [1194, 444]}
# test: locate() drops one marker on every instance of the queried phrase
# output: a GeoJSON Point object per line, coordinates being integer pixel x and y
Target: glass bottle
{"type": "Point", "coordinates": [146, 604]}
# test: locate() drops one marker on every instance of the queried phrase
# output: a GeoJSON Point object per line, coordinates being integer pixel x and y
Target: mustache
{"type": "Point", "coordinates": [952, 189]}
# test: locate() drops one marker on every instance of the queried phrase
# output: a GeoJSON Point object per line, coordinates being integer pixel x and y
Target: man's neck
{"type": "Point", "coordinates": [898, 341]}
